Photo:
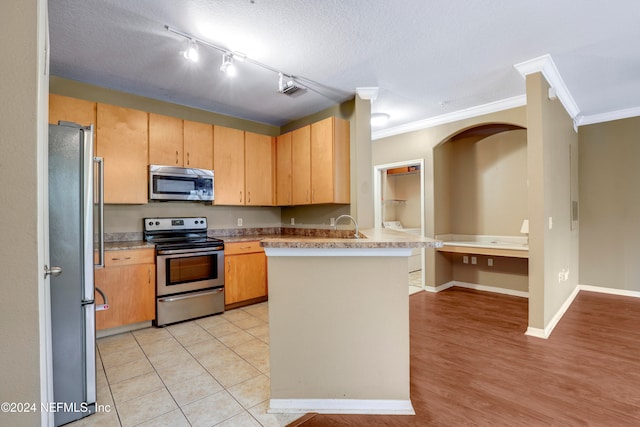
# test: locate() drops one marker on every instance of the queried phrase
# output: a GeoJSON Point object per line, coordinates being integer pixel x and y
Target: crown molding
{"type": "Point", "coordinates": [370, 93]}
{"type": "Point", "coordinates": [547, 67]}
{"type": "Point", "coordinates": [492, 107]}
{"type": "Point", "coordinates": [609, 116]}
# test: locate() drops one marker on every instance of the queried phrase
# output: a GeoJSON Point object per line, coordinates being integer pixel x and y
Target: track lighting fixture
{"type": "Point", "coordinates": [191, 52]}
{"type": "Point", "coordinates": [227, 66]}
{"type": "Point", "coordinates": [287, 83]}
{"type": "Point", "coordinates": [288, 86]}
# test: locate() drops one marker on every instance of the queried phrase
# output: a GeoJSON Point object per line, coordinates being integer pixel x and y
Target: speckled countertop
{"type": "Point", "coordinates": [307, 238]}
{"type": "Point", "coordinates": [371, 238]}
{"type": "Point", "coordinates": [124, 245]}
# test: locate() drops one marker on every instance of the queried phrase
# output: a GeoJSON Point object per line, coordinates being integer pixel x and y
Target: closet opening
{"type": "Point", "coordinates": [399, 195]}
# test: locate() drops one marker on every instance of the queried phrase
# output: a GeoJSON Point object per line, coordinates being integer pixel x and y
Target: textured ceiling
{"type": "Point", "coordinates": [428, 58]}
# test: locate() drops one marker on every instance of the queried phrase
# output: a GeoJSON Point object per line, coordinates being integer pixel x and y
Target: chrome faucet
{"type": "Point", "coordinates": [355, 223]}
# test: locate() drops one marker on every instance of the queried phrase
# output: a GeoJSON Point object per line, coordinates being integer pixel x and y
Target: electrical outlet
{"type": "Point", "coordinates": [474, 260]}
{"type": "Point", "coordinates": [490, 262]}
{"type": "Point", "coordinates": [550, 223]}
{"type": "Point", "coordinates": [293, 221]}
{"type": "Point", "coordinates": [239, 222]}
{"type": "Point", "coordinates": [332, 221]}
{"type": "Point", "coordinates": [465, 259]}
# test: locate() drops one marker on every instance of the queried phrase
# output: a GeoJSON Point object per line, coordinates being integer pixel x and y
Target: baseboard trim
{"type": "Point", "coordinates": [440, 288]}
{"type": "Point", "coordinates": [611, 291]}
{"type": "Point", "coordinates": [341, 406]}
{"type": "Point", "coordinates": [486, 288]}
{"type": "Point", "coordinates": [546, 332]}
{"type": "Point", "coordinates": [120, 329]}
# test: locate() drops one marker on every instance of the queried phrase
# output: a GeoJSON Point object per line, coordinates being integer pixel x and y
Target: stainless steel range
{"type": "Point", "coordinates": [189, 269]}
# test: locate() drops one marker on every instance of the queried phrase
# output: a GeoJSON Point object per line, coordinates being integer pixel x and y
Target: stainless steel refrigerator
{"type": "Point", "coordinates": [74, 206]}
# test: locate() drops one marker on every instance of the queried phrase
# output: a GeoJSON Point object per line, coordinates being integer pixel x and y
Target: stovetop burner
{"type": "Point", "coordinates": [179, 233]}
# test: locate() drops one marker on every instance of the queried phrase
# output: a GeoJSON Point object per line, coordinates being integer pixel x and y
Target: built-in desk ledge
{"type": "Point", "coordinates": [507, 246]}
{"type": "Point", "coordinates": [371, 242]}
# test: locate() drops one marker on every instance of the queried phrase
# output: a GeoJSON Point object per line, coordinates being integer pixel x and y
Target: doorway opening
{"type": "Point", "coordinates": [399, 204]}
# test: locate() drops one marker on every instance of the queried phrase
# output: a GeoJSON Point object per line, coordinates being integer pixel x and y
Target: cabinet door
{"type": "Point", "coordinates": [259, 171]}
{"type": "Point", "coordinates": [283, 170]}
{"type": "Point", "coordinates": [301, 165]}
{"type": "Point", "coordinates": [198, 145]}
{"type": "Point", "coordinates": [71, 110]}
{"type": "Point", "coordinates": [122, 140]}
{"type": "Point", "coordinates": [228, 163]}
{"type": "Point", "coordinates": [330, 161]}
{"type": "Point", "coordinates": [165, 140]}
{"type": "Point", "coordinates": [245, 277]}
{"type": "Point", "coordinates": [131, 294]}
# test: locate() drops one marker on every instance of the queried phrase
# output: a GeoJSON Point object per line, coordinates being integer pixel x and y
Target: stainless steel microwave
{"type": "Point", "coordinates": [174, 183]}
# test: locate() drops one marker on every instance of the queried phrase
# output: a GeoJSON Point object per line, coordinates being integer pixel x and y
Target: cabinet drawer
{"type": "Point", "coordinates": [129, 256]}
{"type": "Point", "coordinates": [242, 247]}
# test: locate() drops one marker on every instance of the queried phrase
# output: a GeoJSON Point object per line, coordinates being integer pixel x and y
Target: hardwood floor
{"type": "Point", "coordinates": [471, 364]}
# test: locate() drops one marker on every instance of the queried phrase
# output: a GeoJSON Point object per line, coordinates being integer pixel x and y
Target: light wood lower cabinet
{"type": "Point", "coordinates": [245, 273]}
{"type": "Point", "coordinates": [129, 282]}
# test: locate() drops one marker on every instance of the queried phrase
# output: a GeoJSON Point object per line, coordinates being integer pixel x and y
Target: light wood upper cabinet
{"type": "Point", "coordinates": [228, 164]}
{"type": "Point", "coordinates": [330, 181]}
{"type": "Point", "coordinates": [165, 140]}
{"type": "Point", "coordinates": [71, 110]}
{"type": "Point", "coordinates": [283, 170]}
{"type": "Point", "coordinates": [301, 165]}
{"type": "Point", "coordinates": [259, 169]}
{"type": "Point", "coordinates": [122, 140]}
{"type": "Point", "coordinates": [243, 165]}
{"type": "Point", "coordinates": [198, 145]}
{"type": "Point", "coordinates": [177, 142]}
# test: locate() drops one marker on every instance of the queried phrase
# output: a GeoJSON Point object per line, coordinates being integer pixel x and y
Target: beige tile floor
{"type": "Point", "coordinates": [206, 372]}
{"type": "Point", "coordinates": [415, 282]}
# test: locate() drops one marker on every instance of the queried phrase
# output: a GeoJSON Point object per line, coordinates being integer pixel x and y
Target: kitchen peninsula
{"type": "Point", "coordinates": [339, 322]}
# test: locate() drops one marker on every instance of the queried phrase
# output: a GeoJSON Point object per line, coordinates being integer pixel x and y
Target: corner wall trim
{"type": "Point", "coordinates": [546, 332]}
{"type": "Point", "coordinates": [439, 288]}
{"type": "Point", "coordinates": [341, 406]}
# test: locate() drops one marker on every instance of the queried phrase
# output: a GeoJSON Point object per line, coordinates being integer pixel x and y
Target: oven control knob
{"type": "Point", "coordinates": [150, 222]}
{"type": "Point", "coordinates": [157, 222]}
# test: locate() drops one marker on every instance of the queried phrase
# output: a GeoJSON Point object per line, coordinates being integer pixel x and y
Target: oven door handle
{"type": "Point", "coordinates": [208, 251]}
{"type": "Point", "coordinates": [195, 295]}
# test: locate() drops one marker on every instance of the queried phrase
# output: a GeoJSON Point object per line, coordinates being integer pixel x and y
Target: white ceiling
{"type": "Point", "coordinates": [429, 58]}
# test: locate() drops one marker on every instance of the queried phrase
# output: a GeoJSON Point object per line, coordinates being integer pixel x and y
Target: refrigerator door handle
{"type": "Point", "coordinates": [53, 271]}
{"type": "Point", "coordinates": [105, 302]}
{"type": "Point", "coordinates": [100, 162]}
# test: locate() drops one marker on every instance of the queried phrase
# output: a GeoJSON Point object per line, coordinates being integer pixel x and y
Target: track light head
{"type": "Point", "coordinates": [227, 66]}
{"type": "Point", "coordinates": [191, 52]}
{"type": "Point", "coordinates": [288, 86]}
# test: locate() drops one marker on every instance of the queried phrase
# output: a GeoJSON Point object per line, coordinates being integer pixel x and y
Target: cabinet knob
{"type": "Point", "coordinates": [241, 197]}
{"type": "Point", "coordinates": [176, 157]}
{"type": "Point", "coordinates": [188, 162]}
{"type": "Point", "coordinates": [249, 197]}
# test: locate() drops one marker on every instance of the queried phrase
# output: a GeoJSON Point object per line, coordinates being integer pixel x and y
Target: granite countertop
{"type": "Point", "coordinates": [130, 244]}
{"type": "Point", "coordinates": [309, 238]}
{"type": "Point", "coordinates": [371, 239]}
